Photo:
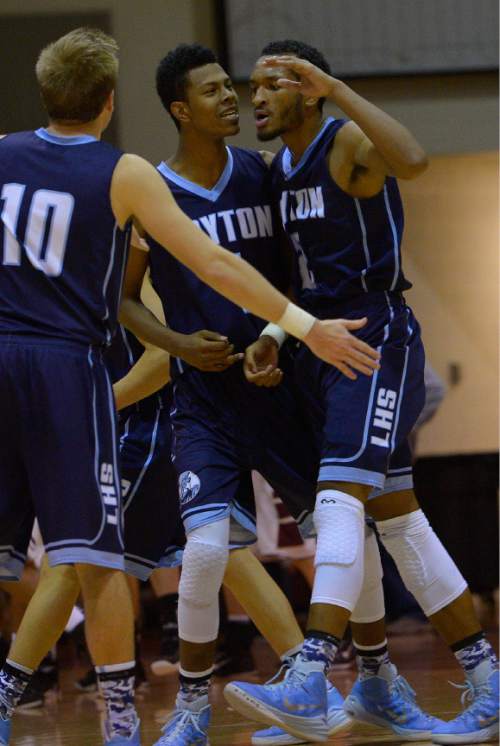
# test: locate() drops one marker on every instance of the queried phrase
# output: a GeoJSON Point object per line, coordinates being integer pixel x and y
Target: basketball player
{"type": "Point", "coordinates": [68, 200]}
{"type": "Point", "coordinates": [334, 184]}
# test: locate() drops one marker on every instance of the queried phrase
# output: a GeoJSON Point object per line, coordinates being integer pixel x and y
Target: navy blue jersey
{"type": "Point", "coordinates": [236, 213]}
{"type": "Point", "coordinates": [345, 246]}
{"type": "Point", "coordinates": [62, 255]}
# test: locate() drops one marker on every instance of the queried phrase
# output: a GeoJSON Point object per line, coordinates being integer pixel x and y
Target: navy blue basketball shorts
{"type": "Point", "coordinates": [214, 457]}
{"type": "Point", "coordinates": [59, 454]}
{"type": "Point", "coordinates": [154, 533]}
{"type": "Point", "coordinates": [363, 426]}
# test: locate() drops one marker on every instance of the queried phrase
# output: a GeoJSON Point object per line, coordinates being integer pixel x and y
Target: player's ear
{"type": "Point", "coordinates": [110, 103]}
{"type": "Point", "coordinates": [180, 110]}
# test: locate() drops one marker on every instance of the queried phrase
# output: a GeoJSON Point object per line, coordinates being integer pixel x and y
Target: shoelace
{"type": "Point", "coordinates": [408, 694]}
{"type": "Point", "coordinates": [471, 694]}
{"type": "Point", "coordinates": [285, 666]}
{"type": "Point", "coordinates": [185, 717]}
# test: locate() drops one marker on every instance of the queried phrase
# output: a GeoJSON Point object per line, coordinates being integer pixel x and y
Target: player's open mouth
{"type": "Point", "coordinates": [261, 118]}
{"type": "Point", "coordinates": [232, 114]}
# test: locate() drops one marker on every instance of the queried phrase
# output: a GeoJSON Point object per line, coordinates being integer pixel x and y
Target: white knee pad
{"type": "Point", "coordinates": [370, 606]}
{"type": "Point", "coordinates": [203, 566]}
{"type": "Point", "coordinates": [425, 566]}
{"type": "Point", "coordinates": [339, 522]}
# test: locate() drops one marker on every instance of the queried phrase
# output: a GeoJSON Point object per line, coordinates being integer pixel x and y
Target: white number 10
{"type": "Point", "coordinates": [47, 227]}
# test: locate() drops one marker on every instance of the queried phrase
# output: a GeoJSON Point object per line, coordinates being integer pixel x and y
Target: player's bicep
{"type": "Point", "coordinates": [355, 164]}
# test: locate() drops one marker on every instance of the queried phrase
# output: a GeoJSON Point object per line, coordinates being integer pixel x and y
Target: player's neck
{"type": "Point", "coordinates": [298, 140]}
{"type": "Point", "coordinates": [94, 129]}
{"type": "Point", "coordinates": [199, 162]}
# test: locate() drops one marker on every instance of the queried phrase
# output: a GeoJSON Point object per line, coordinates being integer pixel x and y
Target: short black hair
{"type": "Point", "coordinates": [171, 73]}
{"type": "Point", "coordinates": [303, 51]}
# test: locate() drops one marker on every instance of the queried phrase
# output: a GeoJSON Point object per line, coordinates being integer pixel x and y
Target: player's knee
{"type": "Point", "coordinates": [339, 522]}
{"type": "Point", "coordinates": [203, 565]}
{"type": "Point", "coordinates": [425, 566]}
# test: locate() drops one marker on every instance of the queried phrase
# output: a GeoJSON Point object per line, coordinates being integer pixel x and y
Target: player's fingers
{"type": "Point", "coordinates": [354, 323]}
{"type": "Point", "coordinates": [363, 359]}
{"type": "Point", "coordinates": [365, 348]}
{"type": "Point", "coordinates": [345, 370]}
{"type": "Point", "coordinates": [274, 378]}
{"type": "Point", "coordinates": [231, 359]}
{"type": "Point", "coordinates": [290, 84]}
{"type": "Point", "coordinates": [361, 367]}
{"type": "Point", "coordinates": [215, 336]}
{"type": "Point", "coordinates": [209, 347]}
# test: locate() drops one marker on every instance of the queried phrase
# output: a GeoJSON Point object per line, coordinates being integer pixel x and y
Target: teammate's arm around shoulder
{"type": "Point", "coordinates": [137, 190]}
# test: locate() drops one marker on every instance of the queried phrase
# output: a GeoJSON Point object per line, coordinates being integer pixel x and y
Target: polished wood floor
{"type": "Point", "coordinates": [74, 719]}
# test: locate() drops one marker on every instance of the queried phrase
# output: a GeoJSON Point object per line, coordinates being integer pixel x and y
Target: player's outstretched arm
{"type": "Point", "coordinates": [138, 191]}
{"type": "Point", "coordinates": [398, 151]}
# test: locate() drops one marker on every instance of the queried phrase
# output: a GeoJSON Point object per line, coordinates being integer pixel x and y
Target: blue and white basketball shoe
{"type": "Point", "coordinates": [187, 727]}
{"type": "Point", "coordinates": [134, 740]}
{"type": "Point", "coordinates": [336, 718]}
{"type": "Point", "coordinates": [389, 701]}
{"type": "Point", "coordinates": [478, 723]}
{"type": "Point", "coordinates": [297, 704]}
{"type": "Point", "coordinates": [5, 726]}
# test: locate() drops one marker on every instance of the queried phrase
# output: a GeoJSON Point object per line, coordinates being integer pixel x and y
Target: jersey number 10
{"type": "Point", "coordinates": [47, 227]}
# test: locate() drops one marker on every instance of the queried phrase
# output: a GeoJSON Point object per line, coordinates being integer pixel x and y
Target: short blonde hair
{"type": "Point", "coordinates": [77, 73]}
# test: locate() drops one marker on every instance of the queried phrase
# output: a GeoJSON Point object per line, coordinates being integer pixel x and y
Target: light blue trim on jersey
{"type": "Point", "coordinates": [141, 568]}
{"type": "Point", "coordinates": [286, 160]}
{"type": "Point", "coordinates": [147, 462]}
{"type": "Point", "coordinates": [395, 242]}
{"type": "Point", "coordinates": [332, 473]}
{"type": "Point", "coordinates": [211, 194]}
{"type": "Point", "coordinates": [366, 250]}
{"type": "Point", "coordinates": [206, 514]}
{"type": "Point", "coordinates": [71, 555]}
{"type": "Point", "coordinates": [393, 484]}
{"type": "Point", "coordinates": [106, 282]}
{"type": "Point", "coordinates": [116, 470]}
{"type": "Point", "coordinates": [64, 139]}
{"type": "Point", "coordinates": [399, 471]}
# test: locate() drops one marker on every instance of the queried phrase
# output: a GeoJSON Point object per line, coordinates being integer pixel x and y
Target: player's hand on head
{"type": "Point", "coordinates": [261, 363]}
{"type": "Point", "coordinates": [208, 351]}
{"type": "Point", "coordinates": [332, 341]}
{"type": "Point", "coordinates": [312, 81]}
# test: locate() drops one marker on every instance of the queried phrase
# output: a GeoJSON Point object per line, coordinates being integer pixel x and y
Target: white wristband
{"type": "Point", "coordinates": [276, 332]}
{"type": "Point", "coordinates": [296, 321]}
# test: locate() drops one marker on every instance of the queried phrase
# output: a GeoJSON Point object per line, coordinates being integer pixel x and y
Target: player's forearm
{"type": "Point", "coordinates": [150, 373]}
{"type": "Point", "coordinates": [140, 321]}
{"type": "Point", "coordinates": [395, 143]}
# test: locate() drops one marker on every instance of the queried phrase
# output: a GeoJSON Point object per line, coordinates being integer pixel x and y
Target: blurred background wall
{"type": "Point", "coordinates": [451, 211]}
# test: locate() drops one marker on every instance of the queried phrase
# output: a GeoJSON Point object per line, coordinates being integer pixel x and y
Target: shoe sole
{"type": "Point", "coordinates": [480, 736]}
{"type": "Point", "coordinates": [354, 710]}
{"type": "Point", "coordinates": [287, 740]}
{"type": "Point", "coordinates": [254, 709]}
{"type": "Point", "coordinates": [164, 668]}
